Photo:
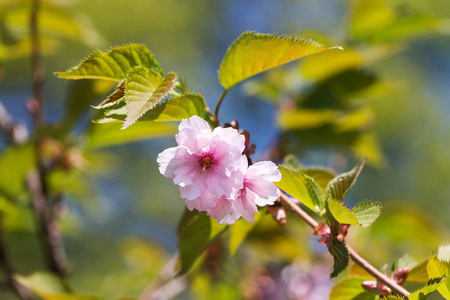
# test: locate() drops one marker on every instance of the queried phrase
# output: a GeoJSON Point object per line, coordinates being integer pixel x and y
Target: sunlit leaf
{"type": "Point", "coordinates": [303, 188]}
{"type": "Point", "coordinates": [239, 231]}
{"type": "Point", "coordinates": [367, 212]}
{"type": "Point", "coordinates": [105, 135]}
{"type": "Point", "coordinates": [325, 64]}
{"type": "Point", "coordinates": [23, 48]}
{"type": "Point", "coordinates": [341, 213]}
{"type": "Point", "coordinates": [424, 292]}
{"type": "Point", "coordinates": [392, 297]}
{"type": "Point", "coordinates": [53, 21]}
{"type": "Point", "coordinates": [15, 162]}
{"type": "Point", "coordinates": [173, 109]}
{"type": "Point", "coordinates": [143, 90]}
{"type": "Point", "coordinates": [419, 273]}
{"type": "Point", "coordinates": [437, 268]}
{"type": "Point", "coordinates": [195, 232]}
{"type": "Point", "coordinates": [341, 184]}
{"type": "Point", "coordinates": [114, 64]}
{"type": "Point", "coordinates": [321, 175]}
{"type": "Point", "coordinates": [382, 21]}
{"type": "Point", "coordinates": [49, 287]}
{"type": "Point", "coordinates": [349, 288]}
{"type": "Point", "coordinates": [306, 118]}
{"type": "Point", "coordinates": [340, 257]}
{"type": "Point", "coordinates": [252, 53]}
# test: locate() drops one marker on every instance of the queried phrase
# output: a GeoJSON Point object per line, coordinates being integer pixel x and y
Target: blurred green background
{"type": "Point", "coordinates": [120, 215]}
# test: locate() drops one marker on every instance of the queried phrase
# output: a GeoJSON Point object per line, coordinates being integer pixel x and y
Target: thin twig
{"type": "Point", "coordinates": [397, 289]}
{"type": "Point", "coordinates": [216, 111]}
{"type": "Point", "coordinates": [51, 237]}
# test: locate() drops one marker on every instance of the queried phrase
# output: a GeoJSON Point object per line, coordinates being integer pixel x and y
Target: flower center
{"type": "Point", "coordinates": [206, 161]}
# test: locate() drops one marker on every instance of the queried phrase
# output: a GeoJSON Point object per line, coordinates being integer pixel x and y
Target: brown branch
{"type": "Point", "coordinates": [51, 237]}
{"type": "Point", "coordinates": [397, 289]}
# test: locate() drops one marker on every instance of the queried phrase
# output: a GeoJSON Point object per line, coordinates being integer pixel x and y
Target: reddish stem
{"type": "Point", "coordinates": [397, 289]}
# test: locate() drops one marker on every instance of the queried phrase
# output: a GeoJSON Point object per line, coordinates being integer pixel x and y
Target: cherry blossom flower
{"type": "Point", "coordinates": [213, 175]}
{"type": "Point", "coordinates": [205, 164]}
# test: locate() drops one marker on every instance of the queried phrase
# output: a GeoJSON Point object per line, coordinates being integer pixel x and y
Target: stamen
{"type": "Point", "coordinates": [206, 161]}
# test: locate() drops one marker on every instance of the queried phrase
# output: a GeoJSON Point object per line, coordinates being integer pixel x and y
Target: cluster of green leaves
{"type": "Point", "coordinates": [323, 192]}
{"type": "Point", "coordinates": [433, 273]}
{"type": "Point", "coordinates": [326, 99]}
{"type": "Point", "coordinates": [144, 93]}
{"type": "Point", "coordinates": [56, 20]}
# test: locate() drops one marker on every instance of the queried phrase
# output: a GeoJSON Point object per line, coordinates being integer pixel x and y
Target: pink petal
{"type": "Point", "coordinates": [164, 160]}
{"type": "Point", "coordinates": [223, 211]}
{"type": "Point", "coordinates": [267, 169]}
{"type": "Point", "coordinates": [246, 207]}
{"type": "Point", "coordinates": [194, 190]}
{"type": "Point", "coordinates": [188, 129]}
{"type": "Point", "coordinates": [202, 203]}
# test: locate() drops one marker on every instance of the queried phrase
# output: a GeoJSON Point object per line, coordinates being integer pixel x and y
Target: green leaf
{"type": "Point", "coordinates": [195, 232]}
{"type": "Point", "coordinates": [15, 161]}
{"type": "Point", "coordinates": [341, 213]}
{"type": "Point", "coordinates": [114, 97]}
{"type": "Point", "coordinates": [49, 287]}
{"type": "Point", "coordinates": [437, 268]}
{"type": "Point", "coordinates": [424, 292]}
{"type": "Point", "coordinates": [363, 214]}
{"type": "Point", "coordinates": [349, 288]}
{"type": "Point", "coordinates": [143, 90]}
{"type": "Point", "coordinates": [114, 64]}
{"type": "Point", "coordinates": [302, 187]}
{"type": "Point", "coordinates": [340, 257]}
{"type": "Point", "coordinates": [105, 135]}
{"type": "Point", "coordinates": [252, 53]}
{"type": "Point", "coordinates": [341, 184]}
{"type": "Point", "coordinates": [239, 231]}
{"type": "Point", "coordinates": [174, 109]}
{"type": "Point", "coordinates": [291, 162]}
{"type": "Point", "coordinates": [322, 176]}
{"type": "Point", "coordinates": [367, 212]}
{"type": "Point", "coordinates": [419, 273]}
{"type": "Point", "coordinates": [53, 22]}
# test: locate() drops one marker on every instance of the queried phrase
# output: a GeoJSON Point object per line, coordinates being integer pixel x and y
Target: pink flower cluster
{"type": "Point", "coordinates": [213, 175]}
